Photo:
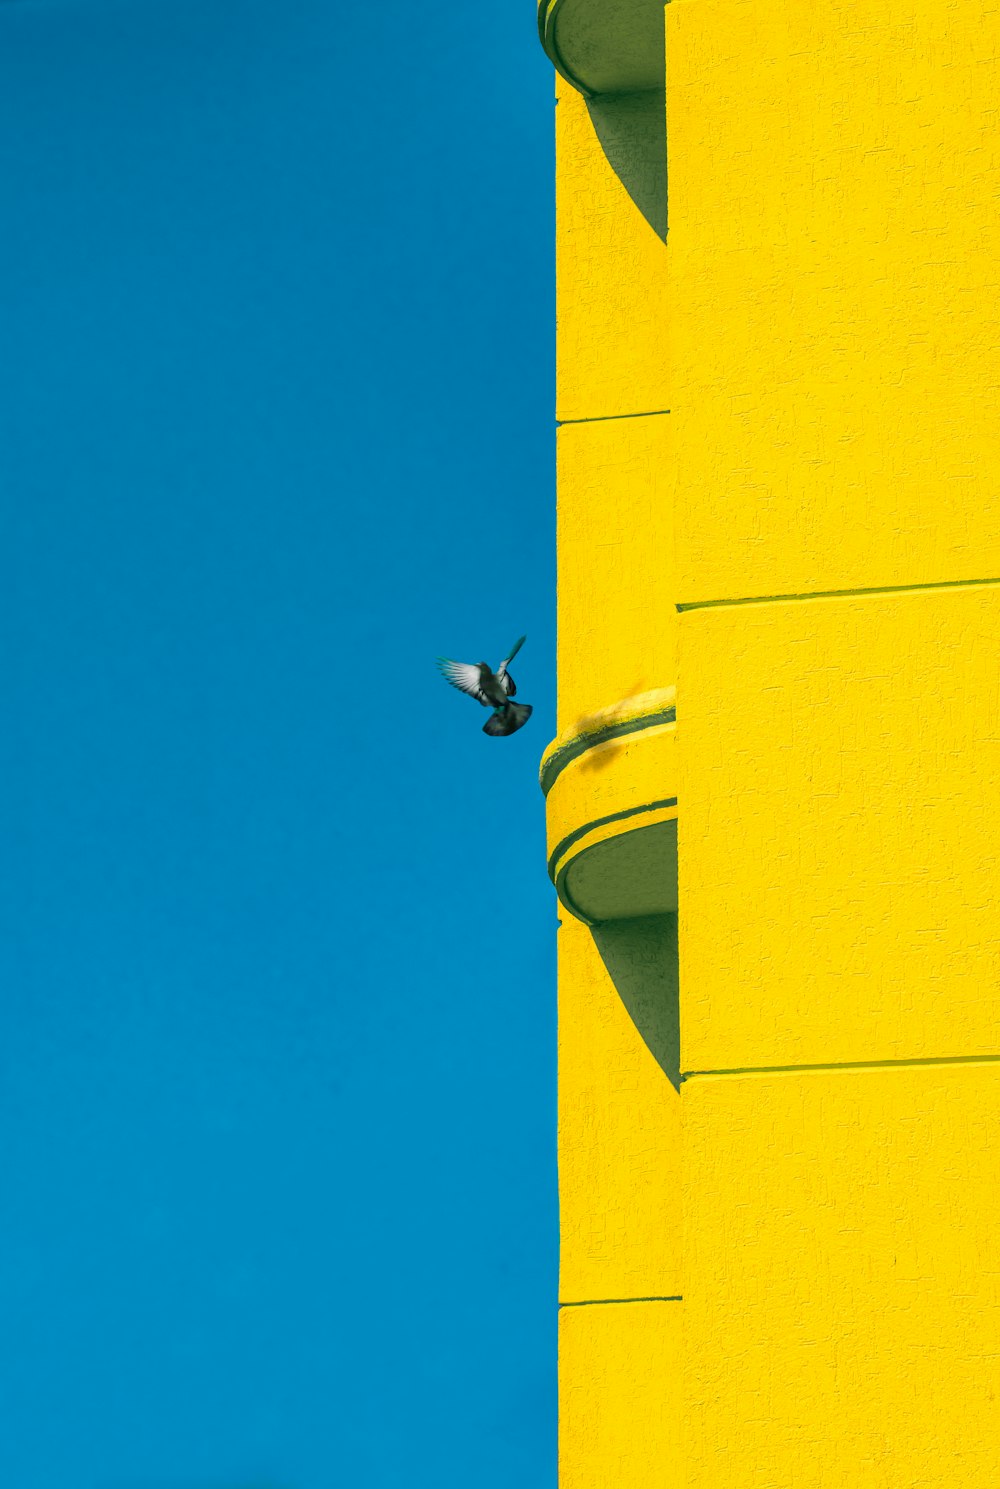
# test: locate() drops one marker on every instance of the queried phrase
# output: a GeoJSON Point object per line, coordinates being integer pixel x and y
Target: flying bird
{"type": "Point", "coordinates": [492, 689]}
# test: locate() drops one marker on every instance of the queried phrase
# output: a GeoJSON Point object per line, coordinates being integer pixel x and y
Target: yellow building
{"type": "Point", "coordinates": [778, 513]}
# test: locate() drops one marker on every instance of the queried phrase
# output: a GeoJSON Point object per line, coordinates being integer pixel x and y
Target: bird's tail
{"type": "Point", "coordinates": [508, 720]}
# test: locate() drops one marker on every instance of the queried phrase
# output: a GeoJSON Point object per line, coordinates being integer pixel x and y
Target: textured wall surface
{"type": "Point", "coordinates": [834, 241]}
{"type": "Point", "coordinates": [840, 829]}
{"type": "Point", "coordinates": [813, 532]}
{"type": "Point", "coordinates": [619, 1137]}
{"type": "Point", "coordinates": [619, 1112]}
{"type": "Point", "coordinates": [842, 1278]}
{"type": "Point", "coordinates": [836, 370]}
{"type": "Point", "coordinates": [616, 617]}
{"type": "Point", "coordinates": [618, 1421]}
{"type": "Point", "coordinates": [611, 290]}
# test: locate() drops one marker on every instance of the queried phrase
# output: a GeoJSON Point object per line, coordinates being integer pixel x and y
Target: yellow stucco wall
{"type": "Point", "coordinates": [619, 1141]}
{"type": "Point", "coordinates": [841, 1292]}
{"type": "Point", "coordinates": [840, 832]}
{"type": "Point", "coordinates": [616, 620]}
{"type": "Point", "coordinates": [611, 290]}
{"type": "Point", "coordinates": [619, 1114]}
{"type": "Point", "coordinates": [834, 242]}
{"type": "Point", "coordinates": [808, 545]}
{"type": "Point", "coordinates": [618, 1422]}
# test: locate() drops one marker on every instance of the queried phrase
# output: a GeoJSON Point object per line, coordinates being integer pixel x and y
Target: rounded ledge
{"type": "Point", "coordinates": [628, 716]}
{"type": "Point", "coordinates": [622, 872]}
{"type": "Point", "coordinates": [605, 46]}
{"type": "Point", "coordinates": [611, 810]}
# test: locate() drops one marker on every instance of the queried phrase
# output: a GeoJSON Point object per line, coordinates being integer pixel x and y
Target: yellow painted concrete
{"type": "Point", "coordinates": [619, 776]}
{"type": "Point", "coordinates": [611, 292]}
{"type": "Point", "coordinates": [839, 829]}
{"type": "Point", "coordinates": [822, 324]}
{"type": "Point", "coordinates": [619, 1369]}
{"type": "Point", "coordinates": [625, 715]}
{"type": "Point", "coordinates": [842, 1280]}
{"type": "Point", "coordinates": [616, 594]}
{"type": "Point", "coordinates": [619, 1140]}
{"type": "Point", "coordinates": [834, 243]}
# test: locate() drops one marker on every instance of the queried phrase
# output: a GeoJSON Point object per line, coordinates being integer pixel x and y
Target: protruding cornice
{"type": "Point", "coordinates": [629, 716]}
{"type": "Point", "coordinates": [611, 811]}
{"type": "Point", "coordinates": [604, 46]}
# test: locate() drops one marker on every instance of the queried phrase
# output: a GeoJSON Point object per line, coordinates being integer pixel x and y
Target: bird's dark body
{"type": "Point", "coordinates": [493, 691]}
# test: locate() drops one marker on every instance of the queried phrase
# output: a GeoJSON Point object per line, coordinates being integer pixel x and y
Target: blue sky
{"type": "Point", "coordinates": [277, 1190]}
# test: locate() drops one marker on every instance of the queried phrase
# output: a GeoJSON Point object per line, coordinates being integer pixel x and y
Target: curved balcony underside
{"type": "Point", "coordinates": [605, 46]}
{"type": "Point", "coordinates": [611, 808]}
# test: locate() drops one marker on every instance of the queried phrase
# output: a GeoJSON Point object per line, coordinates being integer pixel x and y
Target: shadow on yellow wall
{"type": "Point", "coordinates": [641, 959]}
{"type": "Point", "coordinates": [632, 130]}
{"type": "Point", "coordinates": [588, 724]}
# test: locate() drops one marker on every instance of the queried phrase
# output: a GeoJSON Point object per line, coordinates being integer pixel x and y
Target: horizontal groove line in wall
{"type": "Point", "coordinates": [606, 1302]}
{"type": "Point", "coordinates": [841, 594]}
{"type": "Point", "coordinates": [646, 413]}
{"type": "Point", "coordinates": [690, 1075]}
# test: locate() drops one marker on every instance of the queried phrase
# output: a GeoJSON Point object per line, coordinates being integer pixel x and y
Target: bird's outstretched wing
{"type": "Point", "coordinates": [506, 681]}
{"type": "Point", "coordinates": [464, 676]}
